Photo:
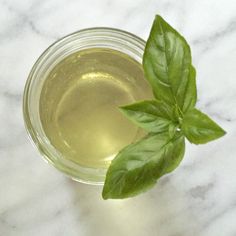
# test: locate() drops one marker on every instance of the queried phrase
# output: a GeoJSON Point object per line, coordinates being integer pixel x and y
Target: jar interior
{"type": "Point", "coordinates": [35, 99]}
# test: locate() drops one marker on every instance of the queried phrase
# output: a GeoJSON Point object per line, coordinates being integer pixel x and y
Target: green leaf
{"type": "Point", "coordinates": [167, 66]}
{"type": "Point", "coordinates": [173, 129]}
{"type": "Point", "coordinates": [199, 128]}
{"type": "Point", "coordinates": [190, 93]}
{"type": "Point", "coordinates": [153, 116]}
{"type": "Point", "coordinates": [137, 167]}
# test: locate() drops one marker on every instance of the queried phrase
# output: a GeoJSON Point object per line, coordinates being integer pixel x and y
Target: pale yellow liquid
{"type": "Point", "coordinates": [79, 105]}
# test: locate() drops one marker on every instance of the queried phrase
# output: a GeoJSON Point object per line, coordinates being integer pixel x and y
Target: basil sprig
{"type": "Point", "coordinates": [168, 120]}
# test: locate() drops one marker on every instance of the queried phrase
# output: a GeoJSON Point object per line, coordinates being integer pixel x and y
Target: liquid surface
{"type": "Point", "coordinates": [79, 105]}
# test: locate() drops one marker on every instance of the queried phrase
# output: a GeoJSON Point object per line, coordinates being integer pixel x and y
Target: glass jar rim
{"type": "Point", "coordinates": [103, 37]}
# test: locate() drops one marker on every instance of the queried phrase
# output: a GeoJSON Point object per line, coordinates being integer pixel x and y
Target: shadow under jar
{"type": "Point", "coordinates": [72, 96]}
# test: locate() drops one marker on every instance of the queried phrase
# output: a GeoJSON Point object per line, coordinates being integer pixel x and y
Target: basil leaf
{"type": "Point", "coordinates": [190, 99]}
{"type": "Point", "coordinates": [153, 116]}
{"type": "Point", "coordinates": [199, 128]}
{"type": "Point", "coordinates": [167, 66]}
{"type": "Point", "coordinates": [173, 129]}
{"type": "Point", "coordinates": [137, 167]}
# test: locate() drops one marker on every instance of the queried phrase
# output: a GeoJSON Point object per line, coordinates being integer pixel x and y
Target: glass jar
{"type": "Point", "coordinates": [88, 38]}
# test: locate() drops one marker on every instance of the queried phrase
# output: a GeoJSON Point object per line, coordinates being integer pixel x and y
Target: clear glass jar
{"type": "Point", "coordinates": [84, 39]}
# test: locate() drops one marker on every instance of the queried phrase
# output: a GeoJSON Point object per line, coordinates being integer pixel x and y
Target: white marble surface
{"type": "Point", "coordinates": [198, 199]}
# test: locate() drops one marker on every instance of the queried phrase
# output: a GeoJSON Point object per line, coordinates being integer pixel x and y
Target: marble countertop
{"type": "Point", "coordinates": [198, 199]}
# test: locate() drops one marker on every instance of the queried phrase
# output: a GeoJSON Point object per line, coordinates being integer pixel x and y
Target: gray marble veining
{"type": "Point", "coordinates": [198, 199]}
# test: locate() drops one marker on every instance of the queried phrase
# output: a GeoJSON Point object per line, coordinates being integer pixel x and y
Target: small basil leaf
{"type": "Point", "coordinates": [173, 129]}
{"type": "Point", "coordinates": [167, 66]}
{"type": "Point", "coordinates": [190, 98]}
{"type": "Point", "coordinates": [153, 116]}
{"type": "Point", "coordinates": [137, 167]}
{"type": "Point", "coordinates": [199, 128]}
